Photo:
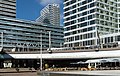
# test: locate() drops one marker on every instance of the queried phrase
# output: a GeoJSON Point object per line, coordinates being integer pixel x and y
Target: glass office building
{"type": "Point", "coordinates": [24, 35]}
{"type": "Point", "coordinates": [85, 21]}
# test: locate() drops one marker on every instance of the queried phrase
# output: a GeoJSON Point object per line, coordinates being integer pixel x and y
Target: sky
{"type": "Point", "coordinates": [30, 9]}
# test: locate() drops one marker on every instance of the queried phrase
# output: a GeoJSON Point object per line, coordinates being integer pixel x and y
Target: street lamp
{"type": "Point", "coordinates": [50, 51]}
{"type": "Point", "coordinates": [49, 39]}
{"type": "Point", "coordinates": [41, 52]}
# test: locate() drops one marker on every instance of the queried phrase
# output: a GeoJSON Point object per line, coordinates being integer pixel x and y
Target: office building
{"type": "Point", "coordinates": [86, 21]}
{"type": "Point", "coordinates": [8, 8]}
{"type": "Point", "coordinates": [50, 15]}
{"type": "Point", "coordinates": [23, 35]}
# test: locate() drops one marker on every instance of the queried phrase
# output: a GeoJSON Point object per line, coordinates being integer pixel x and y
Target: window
{"type": "Point", "coordinates": [68, 28]}
{"type": "Point", "coordinates": [93, 10]}
{"type": "Point", "coordinates": [66, 14]}
{"type": "Point", "coordinates": [83, 24]}
{"type": "Point", "coordinates": [111, 39]}
{"type": "Point", "coordinates": [76, 37]}
{"type": "Point", "coordinates": [74, 11]}
{"type": "Point", "coordinates": [73, 27]}
{"type": "Point", "coordinates": [82, 19]}
{"type": "Point", "coordinates": [92, 5]}
{"type": "Point", "coordinates": [73, 17]}
{"type": "Point", "coordinates": [91, 28]}
{"type": "Point", "coordinates": [83, 8]}
{"type": "Point", "coordinates": [67, 9]}
{"type": "Point", "coordinates": [118, 38]}
{"type": "Point", "coordinates": [84, 13]}
{"type": "Point", "coordinates": [84, 2]}
{"type": "Point", "coordinates": [74, 32]}
{"type": "Point", "coordinates": [73, 1]}
{"type": "Point", "coordinates": [90, 17]}
{"type": "Point", "coordinates": [92, 22]}
{"type": "Point", "coordinates": [89, 1]}
{"type": "Point", "coordinates": [68, 23]}
{"type": "Point", "coordinates": [74, 6]}
{"type": "Point", "coordinates": [72, 22]}
{"type": "Point", "coordinates": [67, 34]}
{"type": "Point", "coordinates": [85, 30]}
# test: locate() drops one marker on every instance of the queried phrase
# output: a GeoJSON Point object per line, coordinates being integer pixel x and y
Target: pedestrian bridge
{"type": "Point", "coordinates": [71, 55]}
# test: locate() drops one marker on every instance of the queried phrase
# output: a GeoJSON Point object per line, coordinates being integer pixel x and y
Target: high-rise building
{"type": "Point", "coordinates": [87, 20]}
{"type": "Point", "coordinates": [50, 15]}
{"type": "Point", "coordinates": [8, 8]}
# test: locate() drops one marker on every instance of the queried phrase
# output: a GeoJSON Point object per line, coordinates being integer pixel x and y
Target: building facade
{"type": "Point", "coordinates": [85, 21]}
{"type": "Point", "coordinates": [8, 8]}
{"type": "Point", "coordinates": [50, 15]}
{"type": "Point", "coordinates": [24, 35]}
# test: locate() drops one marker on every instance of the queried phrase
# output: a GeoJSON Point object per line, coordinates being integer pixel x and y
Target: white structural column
{"type": "Point", "coordinates": [1, 42]}
{"type": "Point", "coordinates": [1, 39]}
{"type": "Point", "coordinates": [95, 65]}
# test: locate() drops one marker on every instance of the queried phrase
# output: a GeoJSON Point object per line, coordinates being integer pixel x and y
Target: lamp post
{"type": "Point", "coordinates": [28, 47]}
{"type": "Point", "coordinates": [49, 40]}
{"type": "Point", "coordinates": [41, 52]}
{"type": "Point", "coordinates": [50, 51]}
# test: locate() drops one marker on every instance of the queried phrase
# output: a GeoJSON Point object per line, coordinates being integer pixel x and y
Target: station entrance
{"type": "Point", "coordinates": [35, 63]}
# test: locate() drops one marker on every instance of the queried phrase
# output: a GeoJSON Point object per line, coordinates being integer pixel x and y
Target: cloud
{"type": "Point", "coordinates": [45, 2]}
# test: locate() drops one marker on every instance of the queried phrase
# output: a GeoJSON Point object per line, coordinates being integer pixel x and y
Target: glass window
{"type": "Point", "coordinates": [90, 17]}
{"type": "Point", "coordinates": [89, 1]}
{"type": "Point", "coordinates": [92, 4]}
{"type": "Point", "coordinates": [84, 2]}
{"type": "Point", "coordinates": [73, 27]}
{"type": "Point", "coordinates": [67, 34]}
{"type": "Point", "coordinates": [76, 37]}
{"type": "Point", "coordinates": [82, 19]}
{"type": "Point", "coordinates": [118, 38]}
{"type": "Point", "coordinates": [85, 30]}
{"type": "Point", "coordinates": [83, 24]}
{"type": "Point", "coordinates": [83, 8]}
{"type": "Point", "coordinates": [93, 10]}
{"type": "Point", "coordinates": [84, 13]}
{"type": "Point", "coordinates": [92, 22]}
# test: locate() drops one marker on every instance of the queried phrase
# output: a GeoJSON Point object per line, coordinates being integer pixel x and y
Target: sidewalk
{"type": "Point", "coordinates": [13, 70]}
{"type": "Point", "coordinates": [19, 74]}
{"type": "Point", "coordinates": [85, 73]}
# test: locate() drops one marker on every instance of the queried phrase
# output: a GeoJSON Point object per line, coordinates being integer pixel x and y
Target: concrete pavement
{"type": "Point", "coordinates": [85, 73]}
{"type": "Point", "coordinates": [19, 74]}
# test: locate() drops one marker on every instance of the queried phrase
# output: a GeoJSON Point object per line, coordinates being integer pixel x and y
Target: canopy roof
{"type": "Point", "coordinates": [103, 60]}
